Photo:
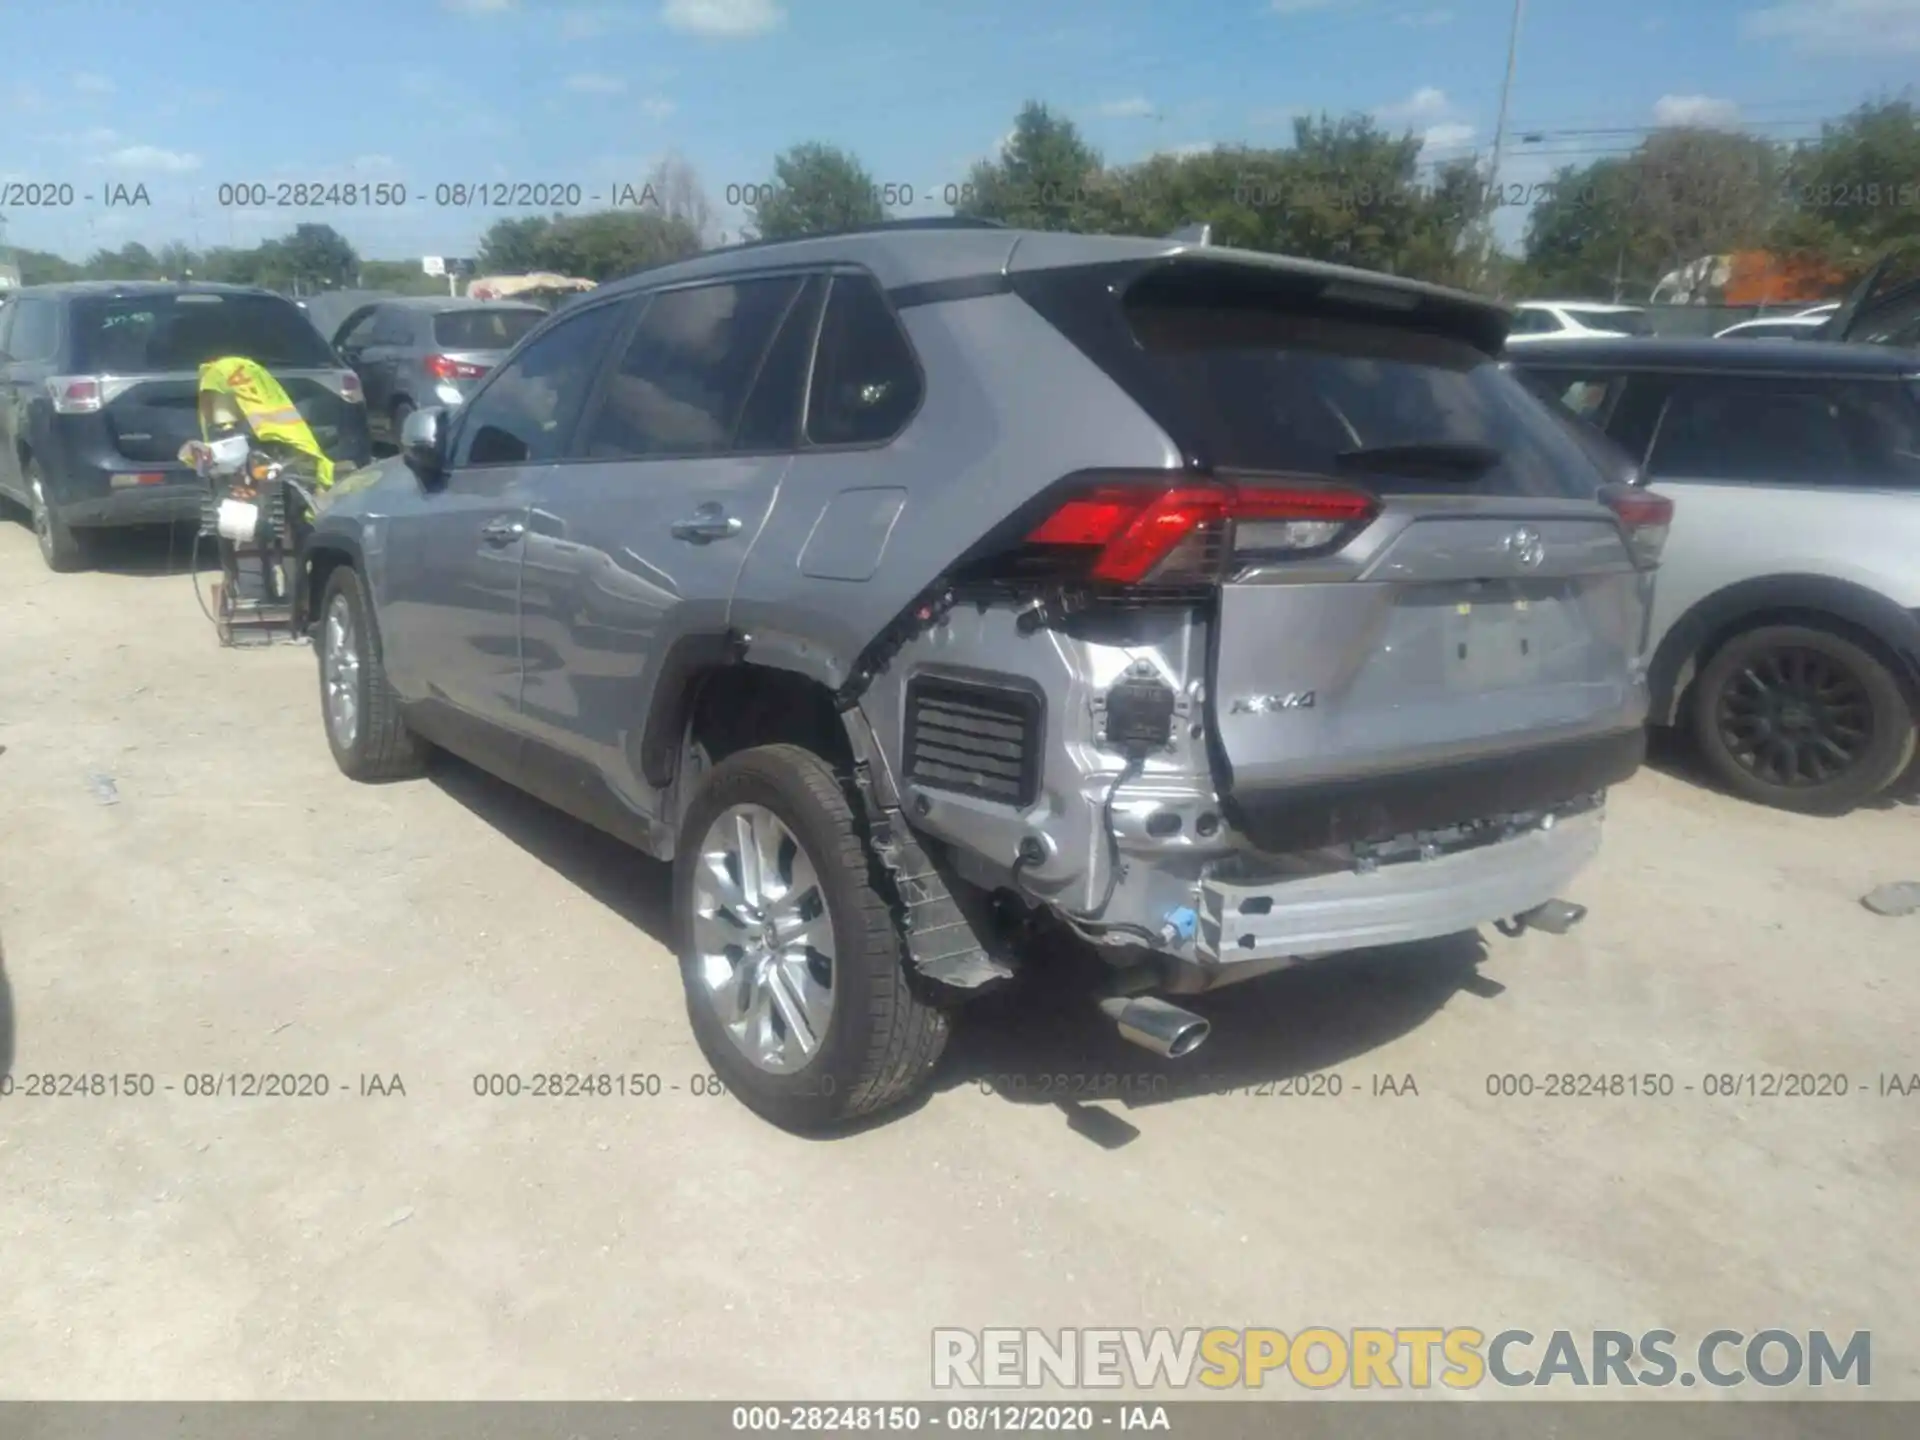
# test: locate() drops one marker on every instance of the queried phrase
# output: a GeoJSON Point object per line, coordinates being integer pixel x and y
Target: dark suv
{"type": "Point", "coordinates": [98, 383]}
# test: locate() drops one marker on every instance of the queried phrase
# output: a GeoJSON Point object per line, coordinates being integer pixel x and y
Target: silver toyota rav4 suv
{"type": "Point", "coordinates": [919, 589]}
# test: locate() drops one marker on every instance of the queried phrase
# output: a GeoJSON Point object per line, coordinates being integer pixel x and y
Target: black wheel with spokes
{"type": "Point", "coordinates": [1802, 719]}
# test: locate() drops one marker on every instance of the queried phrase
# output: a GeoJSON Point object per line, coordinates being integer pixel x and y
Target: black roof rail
{"type": "Point", "coordinates": [878, 227]}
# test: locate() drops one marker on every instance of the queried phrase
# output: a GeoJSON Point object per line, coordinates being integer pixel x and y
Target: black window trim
{"type": "Point", "coordinates": [596, 397]}
{"type": "Point", "coordinates": [457, 430]}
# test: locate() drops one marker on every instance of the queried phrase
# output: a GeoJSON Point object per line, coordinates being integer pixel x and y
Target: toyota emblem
{"type": "Point", "coordinates": [1526, 547]}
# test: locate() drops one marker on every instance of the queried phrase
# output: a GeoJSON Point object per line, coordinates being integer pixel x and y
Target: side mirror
{"type": "Point", "coordinates": [423, 444]}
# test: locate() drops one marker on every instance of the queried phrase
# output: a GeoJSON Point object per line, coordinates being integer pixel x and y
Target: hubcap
{"type": "Point", "coordinates": [763, 938]}
{"type": "Point", "coordinates": [340, 673]}
{"type": "Point", "coordinates": [1795, 717]}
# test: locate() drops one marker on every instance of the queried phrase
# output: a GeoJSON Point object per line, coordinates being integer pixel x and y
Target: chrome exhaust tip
{"type": "Point", "coordinates": [1166, 1030]}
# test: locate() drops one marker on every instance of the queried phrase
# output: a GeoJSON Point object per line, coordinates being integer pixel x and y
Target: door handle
{"type": "Point", "coordinates": [708, 522]}
{"type": "Point", "coordinates": [502, 532]}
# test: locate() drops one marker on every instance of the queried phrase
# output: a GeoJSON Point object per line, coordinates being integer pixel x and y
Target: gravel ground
{"type": "Point", "coordinates": [229, 904]}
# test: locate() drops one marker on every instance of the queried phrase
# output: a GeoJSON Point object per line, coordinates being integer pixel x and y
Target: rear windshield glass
{"type": "Point", "coordinates": [1249, 372]}
{"type": "Point", "coordinates": [483, 329]}
{"type": "Point", "coordinates": [1614, 322]}
{"type": "Point", "coordinates": [148, 334]}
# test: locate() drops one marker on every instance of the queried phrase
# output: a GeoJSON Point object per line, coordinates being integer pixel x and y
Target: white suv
{"type": "Point", "coordinates": [1786, 624]}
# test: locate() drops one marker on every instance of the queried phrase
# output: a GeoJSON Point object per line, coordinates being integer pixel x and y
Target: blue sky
{"type": "Point", "coordinates": [425, 92]}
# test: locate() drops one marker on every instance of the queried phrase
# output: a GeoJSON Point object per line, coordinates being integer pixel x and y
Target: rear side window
{"type": "Point", "coordinates": [483, 329]}
{"type": "Point", "coordinates": [149, 334]}
{"type": "Point", "coordinates": [1790, 431]}
{"type": "Point", "coordinates": [528, 409]}
{"type": "Point", "coordinates": [683, 382]}
{"type": "Point", "coordinates": [866, 383]}
{"type": "Point", "coordinates": [35, 330]}
{"type": "Point", "coordinates": [1589, 396]}
{"type": "Point", "coordinates": [1274, 371]}
{"type": "Point", "coordinates": [1534, 322]}
{"type": "Point", "coordinates": [392, 326]}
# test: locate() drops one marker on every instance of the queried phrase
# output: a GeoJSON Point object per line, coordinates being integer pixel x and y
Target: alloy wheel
{"type": "Point", "coordinates": [1794, 717]}
{"type": "Point", "coordinates": [764, 939]}
{"type": "Point", "coordinates": [340, 672]}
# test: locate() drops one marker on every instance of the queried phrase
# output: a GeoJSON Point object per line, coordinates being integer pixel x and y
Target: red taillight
{"type": "Point", "coordinates": [443, 367]}
{"type": "Point", "coordinates": [350, 388]}
{"type": "Point", "coordinates": [1647, 517]}
{"type": "Point", "coordinates": [75, 394]}
{"type": "Point", "coordinates": [1137, 527]}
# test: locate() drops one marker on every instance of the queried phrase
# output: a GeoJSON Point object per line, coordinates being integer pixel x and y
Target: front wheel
{"type": "Point", "coordinates": [361, 714]}
{"type": "Point", "coordinates": [1802, 719]}
{"type": "Point", "coordinates": [795, 973]}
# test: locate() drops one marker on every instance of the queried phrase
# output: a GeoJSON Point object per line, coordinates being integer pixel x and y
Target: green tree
{"type": "Point", "coordinates": [318, 257]}
{"type": "Point", "coordinates": [1855, 191]}
{"type": "Point", "coordinates": [607, 243]}
{"type": "Point", "coordinates": [43, 267]}
{"type": "Point", "coordinates": [1046, 177]}
{"type": "Point", "coordinates": [132, 261]}
{"type": "Point", "coordinates": [815, 189]}
{"type": "Point", "coordinates": [511, 246]}
{"type": "Point", "coordinates": [401, 277]}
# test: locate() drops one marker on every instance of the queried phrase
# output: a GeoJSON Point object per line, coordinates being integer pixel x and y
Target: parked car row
{"type": "Point", "coordinates": [98, 383]}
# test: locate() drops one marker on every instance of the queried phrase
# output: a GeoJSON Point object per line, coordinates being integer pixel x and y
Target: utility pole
{"type": "Point", "coordinates": [1500, 128]}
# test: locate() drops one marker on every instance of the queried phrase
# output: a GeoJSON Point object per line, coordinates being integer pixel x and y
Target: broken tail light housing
{"type": "Point", "coordinates": [1146, 531]}
{"type": "Point", "coordinates": [1646, 516]}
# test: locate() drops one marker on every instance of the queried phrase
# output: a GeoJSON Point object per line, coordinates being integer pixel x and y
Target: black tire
{"type": "Point", "coordinates": [881, 1040]}
{"type": "Point", "coordinates": [381, 747]}
{"type": "Point", "coordinates": [63, 548]}
{"type": "Point", "coordinates": [398, 419]}
{"type": "Point", "coordinates": [1801, 719]}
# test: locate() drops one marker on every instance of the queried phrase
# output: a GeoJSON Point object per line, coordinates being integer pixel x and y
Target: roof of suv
{"type": "Point", "coordinates": [68, 289]}
{"type": "Point", "coordinates": [932, 252]}
{"type": "Point", "coordinates": [1655, 352]}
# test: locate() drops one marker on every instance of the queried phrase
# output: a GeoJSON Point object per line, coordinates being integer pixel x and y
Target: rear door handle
{"type": "Point", "coordinates": [708, 522]}
{"type": "Point", "coordinates": [502, 532]}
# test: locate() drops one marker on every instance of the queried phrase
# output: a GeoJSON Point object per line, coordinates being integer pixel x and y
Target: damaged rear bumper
{"type": "Point", "coordinates": [1254, 921]}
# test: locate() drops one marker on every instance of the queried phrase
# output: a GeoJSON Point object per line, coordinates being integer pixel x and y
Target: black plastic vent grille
{"type": "Point", "coordinates": [974, 739]}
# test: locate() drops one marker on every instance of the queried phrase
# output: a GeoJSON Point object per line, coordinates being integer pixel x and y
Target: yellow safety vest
{"type": "Point", "coordinates": [270, 413]}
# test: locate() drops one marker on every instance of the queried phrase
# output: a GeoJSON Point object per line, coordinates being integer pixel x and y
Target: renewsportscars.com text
{"type": "Point", "coordinates": [1457, 1358]}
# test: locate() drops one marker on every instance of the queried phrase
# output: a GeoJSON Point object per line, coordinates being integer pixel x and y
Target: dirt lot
{"type": "Point", "coordinates": [239, 907]}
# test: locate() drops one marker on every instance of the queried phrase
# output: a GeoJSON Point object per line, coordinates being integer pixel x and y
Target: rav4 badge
{"type": "Point", "coordinates": [1267, 704]}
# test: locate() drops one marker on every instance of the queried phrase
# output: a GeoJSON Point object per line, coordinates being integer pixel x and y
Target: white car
{"type": "Point", "coordinates": [1563, 319]}
{"type": "Point", "coordinates": [1801, 325]}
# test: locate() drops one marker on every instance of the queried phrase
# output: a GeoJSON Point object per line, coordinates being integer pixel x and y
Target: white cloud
{"type": "Point", "coordinates": [1426, 105]}
{"type": "Point", "coordinates": [150, 157]}
{"type": "Point", "coordinates": [1132, 108]}
{"type": "Point", "coordinates": [1448, 135]}
{"type": "Point", "coordinates": [1698, 110]}
{"type": "Point", "coordinates": [1841, 27]}
{"type": "Point", "coordinates": [92, 84]}
{"type": "Point", "coordinates": [658, 107]}
{"type": "Point", "coordinates": [727, 19]}
{"type": "Point", "coordinates": [1426, 19]}
{"type": "Point", "coordinates": [596, 84]}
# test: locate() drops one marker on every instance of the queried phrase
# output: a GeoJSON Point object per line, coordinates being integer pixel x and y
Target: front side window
{"type": "Point", "coordinates": [524, 416]}
{"type": "Point", "coordinates": [683, 382]}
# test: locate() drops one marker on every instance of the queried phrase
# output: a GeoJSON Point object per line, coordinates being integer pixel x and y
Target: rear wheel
{"type": "Point", "coordinates": [796, 977]}
{"type": "Point", "coordinates": [61, 546]}
{"type": "Point", "coordinates": [1802, 719]}
{"type": "Point", "coordinates": [358, 708]}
